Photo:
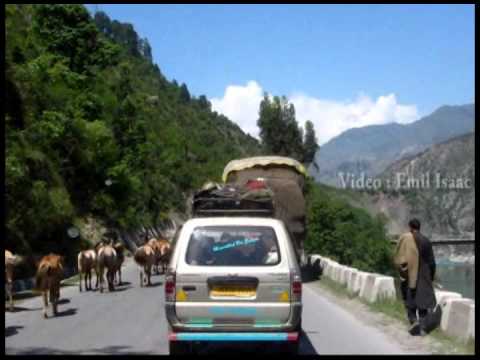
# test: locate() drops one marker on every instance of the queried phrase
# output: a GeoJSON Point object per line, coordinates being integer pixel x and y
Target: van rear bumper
{"type": "Point", "coordinates": [233, 336]}
{"type": "Point", "coordinates": [290, 325]}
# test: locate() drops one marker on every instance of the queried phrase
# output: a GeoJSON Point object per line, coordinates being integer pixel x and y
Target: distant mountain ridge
{"type": "Point", "coordinates": [371, 149]}
{"type": "Point", "coordinates": [445, 212]}
{"type": "Point", "coordinates": [446, 208]}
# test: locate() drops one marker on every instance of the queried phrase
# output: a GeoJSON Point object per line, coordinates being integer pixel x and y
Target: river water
{"type": "Point", "coordinates": [457, 276]}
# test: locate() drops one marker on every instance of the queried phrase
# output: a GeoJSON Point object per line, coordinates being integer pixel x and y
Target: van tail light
{"type": "Point", "coordinates": [296, 287]}
{"type": "Point", "coordinates": [292, 336]}
{"type": "Point", "coordinates": [170, 286]}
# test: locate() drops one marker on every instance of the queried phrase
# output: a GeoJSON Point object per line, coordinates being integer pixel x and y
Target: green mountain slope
{"type": "Point", "coordinates": [94, 128]}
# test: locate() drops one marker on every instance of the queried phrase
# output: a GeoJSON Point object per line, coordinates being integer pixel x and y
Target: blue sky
{"type": "Point", "coordinates": [353, 65]}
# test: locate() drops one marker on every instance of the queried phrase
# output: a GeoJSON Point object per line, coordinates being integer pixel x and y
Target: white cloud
{"type": "Point", "coordinates": [241, 104]}
{"type": "Point", "coordinates": [330, 117]}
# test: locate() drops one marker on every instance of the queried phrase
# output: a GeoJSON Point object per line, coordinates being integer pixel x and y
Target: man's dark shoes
{"type": "Point", "coordinates": [414, 329]}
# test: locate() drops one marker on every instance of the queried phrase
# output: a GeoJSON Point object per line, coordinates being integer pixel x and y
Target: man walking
{"type": "Point", "coordinates": [416, 263]}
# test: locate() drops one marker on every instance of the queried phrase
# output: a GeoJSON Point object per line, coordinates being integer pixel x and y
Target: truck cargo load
{"type": "Point", "coordinates": [285, 177]}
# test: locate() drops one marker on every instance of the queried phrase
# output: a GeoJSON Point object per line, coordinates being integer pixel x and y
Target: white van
{"type": "Point", "coordinates": [233, 279]}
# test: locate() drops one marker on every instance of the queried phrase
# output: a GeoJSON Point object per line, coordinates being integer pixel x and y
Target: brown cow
{"type": "Point", "coordinates": [119, 248]}
{"type": "Point", "coordinates": [106, 259]}
{"type": "Point", "coordinates": [10, 262]}
{"type": "Point", "coordinates": [166, 251]}
{"type": "Point", "coordinates": [157, 249]}
{"type": "Point", "coordinates": [105, 241]}
{"type": "Point", "coordinates": [87, 262]}
{"type": "Point", "coordinates": [48, 277]}
{"type": "Point", "coordinates": [145, 258]}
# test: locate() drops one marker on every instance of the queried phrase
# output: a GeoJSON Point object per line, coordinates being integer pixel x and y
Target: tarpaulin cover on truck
{"type": "Point", "coordinates": [263, 162]}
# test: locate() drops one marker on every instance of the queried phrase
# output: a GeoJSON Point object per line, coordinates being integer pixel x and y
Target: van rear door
{"type": "Point", "coordinates": [233, 276]}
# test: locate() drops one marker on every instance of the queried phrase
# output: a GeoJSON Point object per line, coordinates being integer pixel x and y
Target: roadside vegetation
{"type": "Point", "coordinates": [346, 234]}
{"type": "Point", "coordinates": [93, 128]}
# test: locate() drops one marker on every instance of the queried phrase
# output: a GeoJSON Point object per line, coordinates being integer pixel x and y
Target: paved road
{"type": "Point", "coordinates": [132, 320]}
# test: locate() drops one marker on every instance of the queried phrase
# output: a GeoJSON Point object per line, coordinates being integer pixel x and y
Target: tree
{"type": "Point", "coordinates": [184, 94]}
{"type": "Point", "coordinates": [310, 144]}
{"type": "Point", "coordinates": [103, 23]}
{"type": "Point", "coordinates": [204, 103]}
{"type": "Point", "coordinates": [279, 130]}
{"type": "Point", "coordinates": [68, 31]}
{"type": "Point", "coordinates": [145, 49]}
{"type": "Point", "coordinates": [347, 234]}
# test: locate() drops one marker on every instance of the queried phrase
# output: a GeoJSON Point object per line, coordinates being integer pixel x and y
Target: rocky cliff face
{"type": "Point", "coordinates": [436, 186]}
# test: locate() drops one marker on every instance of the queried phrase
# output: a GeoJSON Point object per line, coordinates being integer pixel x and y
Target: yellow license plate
{"type": "Point", "coordinates": [232, 292]}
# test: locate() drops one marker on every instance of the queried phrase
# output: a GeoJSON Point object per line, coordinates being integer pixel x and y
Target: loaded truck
{"type": "Point", "coordinates": [285, 177]}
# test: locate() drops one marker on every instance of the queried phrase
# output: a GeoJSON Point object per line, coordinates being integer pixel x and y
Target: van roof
{"type": "Point", "coordinates": [234, 220]}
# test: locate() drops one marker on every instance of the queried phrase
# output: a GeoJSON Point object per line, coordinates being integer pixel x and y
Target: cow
{"type": "Point", "coordinates": [145, 257]}
{"type": "Point", "coordinates": [87, 262]}
{"type": "Point", "coordinates": [165, 253]}
{"type": "Point", "coordinates": [157, 249]}
{"type": "Point", "coordinates": [10, 262]}
{"type": "Point", "coordinates": [47, 280]}
{"type": "Point", "coordinates": [106, 259]}
{"type": "Point", "coordinates": [119, 248]}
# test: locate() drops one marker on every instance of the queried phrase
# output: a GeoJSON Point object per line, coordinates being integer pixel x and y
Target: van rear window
{"type": "Point", "coordinates": [233, 246]}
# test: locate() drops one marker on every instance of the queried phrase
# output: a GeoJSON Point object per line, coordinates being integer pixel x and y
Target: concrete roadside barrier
{"type": "Point", "coordinates": [359, 281]}
{"type": "Point", "coordinates": [341, 274]}
{"type": "Point", "coordinates": [333, 270]}
{"type": "Point", "coordinates": [367, 286]}
{"type": "Point", "coordinates": [325, 265]}
{"type": "Point", "coordinates": [336, 272]}
{"type": "Point", "coordinates": [456, 319]}
{"type": "Point", "coordinates": [330, 269]}
{"type": "Point", "coordinates": [442, 295]}
{"type": "Point", "coordinates": [471, 325]}
{"type": "Point", "coordinates": [351, 280]}
{"type": "Point", "coordinates": [383, 288]}
{"type": "Point", "coordinates": [347, 271]}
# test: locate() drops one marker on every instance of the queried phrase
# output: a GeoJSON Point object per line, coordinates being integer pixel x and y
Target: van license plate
{"type": "Point", "coordinates": [232, 291]}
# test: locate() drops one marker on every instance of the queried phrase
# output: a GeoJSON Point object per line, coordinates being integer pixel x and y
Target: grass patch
{"type": "Point", "coordinates": [453, 345]}
{"type": "Point", "coordinates": [395, 309]}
